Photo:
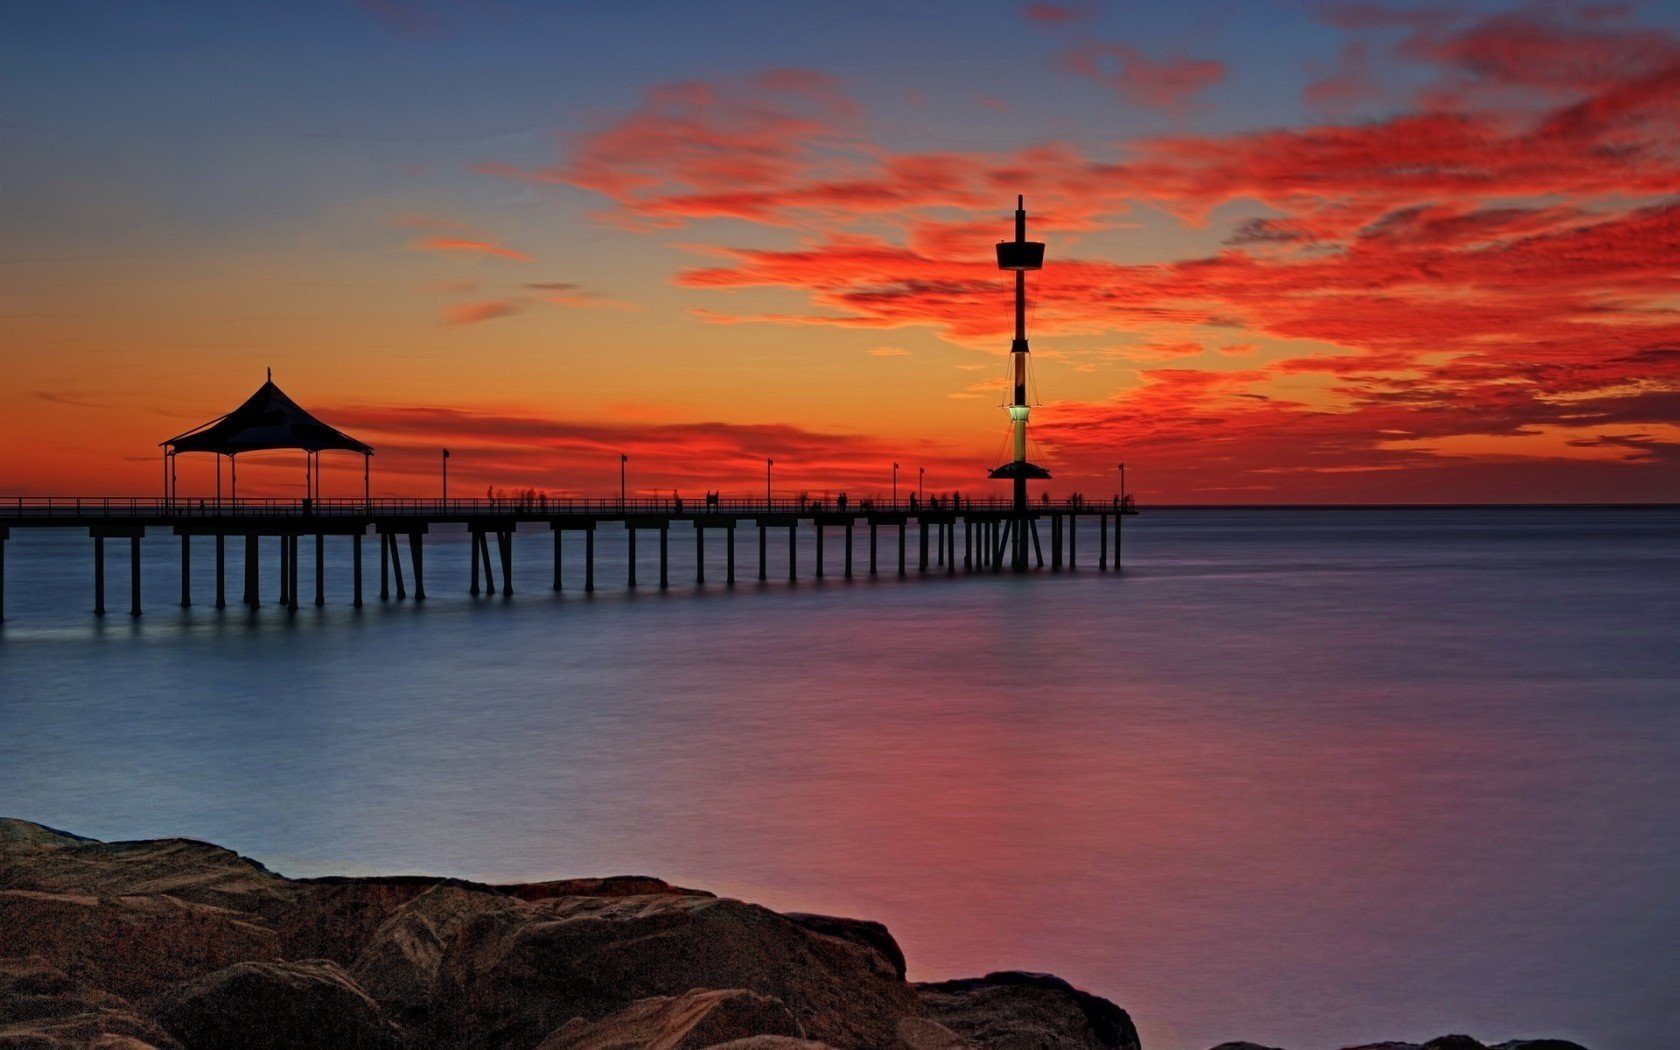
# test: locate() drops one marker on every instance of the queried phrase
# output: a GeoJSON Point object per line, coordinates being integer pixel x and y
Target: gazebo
{"type": "Point", "coordinates": [267, 420]}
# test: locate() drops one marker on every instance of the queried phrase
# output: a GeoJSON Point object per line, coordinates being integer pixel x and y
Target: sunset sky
{"type": "Point", "coordinates": [1298, 252]}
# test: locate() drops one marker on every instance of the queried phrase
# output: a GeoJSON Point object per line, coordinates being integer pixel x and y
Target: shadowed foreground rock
{"type": "Point", "coordinates": [174, 943]}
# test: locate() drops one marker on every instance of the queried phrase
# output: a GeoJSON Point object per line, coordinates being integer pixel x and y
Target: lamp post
{"type": "Point", "coordinates": [622, 460]}
{"type": "Point", "coordinates": [446, 478]}
{"type": "Point", "coordinates": [1122, 486]}
{"type": "Point", "coordinates": [921, 476]}
{"type": "Point", "coordinates": [895, 486]}
{"type": "Point", "coordinates": [768, 463]}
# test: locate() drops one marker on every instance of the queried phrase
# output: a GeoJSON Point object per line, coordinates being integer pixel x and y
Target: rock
{"type": "Point", "coordinates": [516, 976]}
{"type": "Point", "coordinates": [42, 1006]}
{"type": "Point", "coordinates": [1011, 1010]}
{"type": "Point", "coordinates": [182, 868]}
{"type": "Point", "coordinates": [400, 961]}
{"type": "Point", "coordinates": [611, 886]}
{"type": "Point", "coordinates": [866, 932]}
{"type": "Point", "coordinates": [691, 1021]}
{"type": "Point", "coordinates": [29, 833]}
{"type": "Point", "coordinates": [1244, 1046]}
{"type": "Point", "coordinates": [1464, 1042]}
{"type": "Point", "coordinates": [307, 1005]}
{"type": "Point", "coordinates": [771, 1042]}
{"type": "Point", "coordinates": [130, 946]}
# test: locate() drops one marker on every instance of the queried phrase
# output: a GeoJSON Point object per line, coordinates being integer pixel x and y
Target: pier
{"type": "Point", "coordinates": [935, 536]}
{"type": "Point", "coordinates": [996, 533]}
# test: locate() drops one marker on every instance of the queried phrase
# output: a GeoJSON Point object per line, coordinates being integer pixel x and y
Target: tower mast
{"type": "Point", "coordinates": [1020, 255]}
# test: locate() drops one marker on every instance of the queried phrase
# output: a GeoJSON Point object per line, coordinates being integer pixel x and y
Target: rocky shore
{"type": "Point", "coordinates": [177, 943]}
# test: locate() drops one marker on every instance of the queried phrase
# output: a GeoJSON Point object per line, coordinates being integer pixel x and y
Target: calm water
{"type": "Point", "coordinates": [1302, 777]}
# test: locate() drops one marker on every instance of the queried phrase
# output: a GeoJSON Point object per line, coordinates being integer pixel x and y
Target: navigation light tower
{"type": "Point", "coordinates": [1020, 255]}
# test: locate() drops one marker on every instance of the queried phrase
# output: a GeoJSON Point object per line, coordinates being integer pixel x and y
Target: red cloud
{"type": "Point", "coordinates": [519, 448]}
{"type": "Point", "coordinates": [1162, 85]}
{"type": "Point", "coordinates": [1491, 269]}
{"type": "Point", "coordinates": [1058, 14]}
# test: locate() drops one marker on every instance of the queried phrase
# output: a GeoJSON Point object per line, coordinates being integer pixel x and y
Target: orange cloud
{"type": "Point", "coordinates": [473, 313]}
{"type": "Point", "coordinates": [470, 247]}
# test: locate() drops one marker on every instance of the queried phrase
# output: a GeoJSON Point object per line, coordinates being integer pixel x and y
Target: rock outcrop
{"type": "Point", "coordinates": [182, 945]}
{"type": "Point", "coordinates": [177, 943]}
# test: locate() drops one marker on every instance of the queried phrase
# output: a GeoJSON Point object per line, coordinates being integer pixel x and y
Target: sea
{"type": "Point", "coordinates": [1307, 777]}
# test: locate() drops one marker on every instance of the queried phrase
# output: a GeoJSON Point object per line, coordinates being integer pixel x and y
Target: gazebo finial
{"type": "Point", "coordinates": [271, 375]}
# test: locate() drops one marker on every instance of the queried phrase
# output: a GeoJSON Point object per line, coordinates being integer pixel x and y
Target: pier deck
{"type": "Point", "coordinates": [993, 533]}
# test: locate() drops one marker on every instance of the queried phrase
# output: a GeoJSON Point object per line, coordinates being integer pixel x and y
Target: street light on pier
{"type": "Point", "coordinates": [446, 478]}
{"type": "Point", "coordinates": [895, 486]}
{"type": "Point", "coordinates": [921, 476]}
{"type": "Point", "coordinates": [768, 463]}
{"type": "Point", "coordinates": [622, 503]}
{"type": "Point", "coordinates": [1122, 486]}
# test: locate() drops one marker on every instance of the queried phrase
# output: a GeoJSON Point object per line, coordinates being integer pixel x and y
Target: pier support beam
{"type": "Point", "coordinates": [320, 570]}
{"type": "Point", "coordinates": [922, 545]}
{"type": "Point", "coordinates": [5, 534]}
{"type": "Point", "coordinates": [221, 571]}
{"type": "Point", "coordinates": [630, 532]}
{"type": "Point", "coordinates": [848, 550]}
{"type": "Point", "coordinates": [902, 525]}
{"type": "Point", "coordinates": [699, 554]}
{"type": "Point", "coordinates": [1055, 543]}
{"type": "Point", "coordinates": [186, 571]}
{"type": "Point", "coordinates": [872, 531]}
{"type": "Point", "coordinates": [504, 541]}
{"type": "Point", "coordinates": [729, 532]}
{"type": "Point", "coordinates": [819, 527]}
{"type": "Point", "coordinates": [664, 556]}
{"type": "Point", "coordinates": [1102, 548]}
{"type": "Point", "coordinates": [396, 564]}
{"type": "Point", "coordinates": [589, 560]}
{"type": "Point", "coordinates": [793, 551]}
{"type": "Point", "coordinates": [761, 558]}
{"type": "Point", "coordinates": [384, 567]}
{"type": "Point", "coordinates": [356, 568]}
{"type": "Point", "coordinates": [557, 535]}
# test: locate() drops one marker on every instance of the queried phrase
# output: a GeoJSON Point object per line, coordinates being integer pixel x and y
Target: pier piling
{"type": "Point", "coordinates": [186, 571]}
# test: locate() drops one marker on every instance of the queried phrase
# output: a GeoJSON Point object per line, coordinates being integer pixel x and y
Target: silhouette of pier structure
{"type": "Point", "coordinates": [995, 533]}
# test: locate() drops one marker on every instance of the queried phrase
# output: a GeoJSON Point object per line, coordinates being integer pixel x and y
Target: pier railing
{"type": "Point", "coordinates": [105, 507]}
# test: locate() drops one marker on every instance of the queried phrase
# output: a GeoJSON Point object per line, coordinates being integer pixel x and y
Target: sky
{"type": "Point", "coordinates": [1298, 252]}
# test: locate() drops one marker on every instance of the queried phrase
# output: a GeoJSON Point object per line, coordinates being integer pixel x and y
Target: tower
{"type": "Point", "coordinates": [1020, 255]}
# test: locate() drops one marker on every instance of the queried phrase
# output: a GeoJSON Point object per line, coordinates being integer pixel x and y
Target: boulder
{"type": "Point", "coordinates": [770, 1042]}
{"type": "Point", "coordinates": [307, 1005]}
{"type": "Point", "coordinates": [691, 1021]}
{"type": "Point", "coordinates": [1464, 1042]}
{"type": "Point", "coordinates": [1012, 1010]}
{"type": "Point", "coordinates": [130, 946]}
{"type": "Point", "coordinates": [399, 962]}
{"type": "Point", "coordinates": [1240, 1045]}
{"type": "Point", "coordinates": [33, 857]}
{"type": "Point", "coordinates": [516, 976]}
{"type": "Point", "coordinates": [43, 1007]}
{"type": "Point", "coordinates": [867, 932]}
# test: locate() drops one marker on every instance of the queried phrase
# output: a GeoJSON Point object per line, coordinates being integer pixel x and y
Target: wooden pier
{"type": "Point", "coordinates": [994, 537]}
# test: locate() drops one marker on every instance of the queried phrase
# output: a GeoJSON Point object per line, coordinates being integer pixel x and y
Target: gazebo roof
{"type": "Point", "coordinates": [268, 419]}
